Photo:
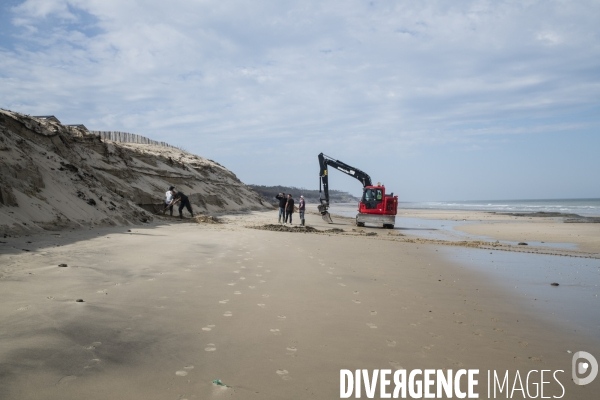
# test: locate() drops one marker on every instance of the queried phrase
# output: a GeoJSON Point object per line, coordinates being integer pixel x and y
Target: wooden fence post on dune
{"type": "Point", "coordinates": [124, 137]}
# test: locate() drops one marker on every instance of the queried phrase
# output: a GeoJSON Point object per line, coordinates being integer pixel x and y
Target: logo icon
{"type": "Point", "coordinates": [581, 368]}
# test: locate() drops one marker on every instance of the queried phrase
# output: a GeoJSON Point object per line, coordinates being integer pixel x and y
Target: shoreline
{"type": "Point", "coordinates": [170, 307]}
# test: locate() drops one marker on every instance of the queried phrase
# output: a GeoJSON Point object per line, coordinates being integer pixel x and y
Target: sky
{"type": "Point", "coordinates": [438, 100]}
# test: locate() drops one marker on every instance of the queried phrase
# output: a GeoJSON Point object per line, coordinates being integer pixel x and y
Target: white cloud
{"type": "Point", "coordinates": [225, 73]}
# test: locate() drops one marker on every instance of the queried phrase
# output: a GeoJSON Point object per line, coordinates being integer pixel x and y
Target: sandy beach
{"type": "Point", "coordinates": [170, 307]}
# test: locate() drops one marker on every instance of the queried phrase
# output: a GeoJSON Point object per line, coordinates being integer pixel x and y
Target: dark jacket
{"type": "Point", "coordinates": [290, 205]}
{"type": "Point", "coordinates": [282, 200]}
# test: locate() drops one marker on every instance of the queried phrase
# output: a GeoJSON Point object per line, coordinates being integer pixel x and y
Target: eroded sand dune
{"type": "Point", "coordinates": [54, 177]}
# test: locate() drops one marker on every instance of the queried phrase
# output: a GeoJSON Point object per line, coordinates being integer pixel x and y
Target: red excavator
{"type": "Point", "coordinates": [375, 207]}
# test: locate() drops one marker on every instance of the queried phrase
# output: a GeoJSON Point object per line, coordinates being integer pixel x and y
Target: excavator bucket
{"type": "Point", "coordinates": [326, 217]}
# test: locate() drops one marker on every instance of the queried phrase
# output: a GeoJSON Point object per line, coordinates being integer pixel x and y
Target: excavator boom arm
{"type": "Point", "coordinates": [324, 162]}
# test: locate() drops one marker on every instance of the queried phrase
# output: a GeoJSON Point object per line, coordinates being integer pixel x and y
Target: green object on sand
{"type": "Point", "coordinates": [219, 383]}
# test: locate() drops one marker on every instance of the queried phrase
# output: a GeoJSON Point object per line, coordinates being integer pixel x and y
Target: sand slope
{"type": "Point", "coordinates": [54, 176]}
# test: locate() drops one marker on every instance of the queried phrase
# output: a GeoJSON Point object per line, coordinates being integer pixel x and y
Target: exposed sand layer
{"type": "Point", "coordinates": [168, 310]}
{"type": "Point", "coordinates": [57, 177]}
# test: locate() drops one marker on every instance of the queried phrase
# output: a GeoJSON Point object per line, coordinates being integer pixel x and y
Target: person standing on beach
{"type": "Point", "coordinates": [168, 200]}
{"type": "Point", "coordinates": [301, 208]}
{"type": "Point", "coordinates": [183, 201]}
{"type": "Point", "coordinates": [282, 201]}
{"type": "Point", "coordinates": [289, 208]}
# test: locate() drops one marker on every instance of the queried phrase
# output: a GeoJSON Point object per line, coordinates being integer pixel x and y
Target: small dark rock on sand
{"type": "Point", "coordinates": [522, 244]}
{"type": "Point", "coordinates": [554, 284]}
{"type": "Point", "coordinates": [62, 265]}
{"type": "Point", "coordinates": [79, 300]}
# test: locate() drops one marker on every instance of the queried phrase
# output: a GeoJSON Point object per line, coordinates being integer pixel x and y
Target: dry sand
{"type": "Point", "coordinates": [168, 308]}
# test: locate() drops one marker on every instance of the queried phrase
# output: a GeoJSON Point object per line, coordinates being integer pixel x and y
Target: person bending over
{"type": "Point", "coordinates": [183, 201]}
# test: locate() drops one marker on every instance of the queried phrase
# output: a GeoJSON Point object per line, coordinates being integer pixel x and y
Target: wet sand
{"type": "Point", "coordinates": [169, 308]}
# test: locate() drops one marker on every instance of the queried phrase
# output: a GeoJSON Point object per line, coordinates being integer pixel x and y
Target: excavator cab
{"type": "Point", "coordinates": [371, 198]}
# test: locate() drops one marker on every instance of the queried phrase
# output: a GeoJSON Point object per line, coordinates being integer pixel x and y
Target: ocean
{"type": "Point", "coordinates": [583, 207]}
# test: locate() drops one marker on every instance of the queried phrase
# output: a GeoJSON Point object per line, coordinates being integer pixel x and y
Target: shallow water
{"type": "Point", "coordinates": [439, 229]}
{"type": "Point", "coordinates": [576, 301]}
{"type": "Point", "coordinates": [583, 207]}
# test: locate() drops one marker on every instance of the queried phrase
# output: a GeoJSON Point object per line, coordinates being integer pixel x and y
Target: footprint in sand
{"type": "Point", "coordinates": [395, 364]}
{"type": "Point", "coordinates": [267, 270]}
{"type": "Point", "coordinates": [94, 345]}
{"type": "Point", "coordinates": [330, 273]}
{"type": "Point", "coordinates": [210, 347]}
{"type": "Point", "coordinates": [292, 349]}
{"type": "Point", "coordinates": [231, 284]}
{"type": "Point", "coordinates": [259, 266]}
{"type": "Point", "coordinates": [281, 317]}
{"type": "Point", "coordinates": [24, 308]}
{"type": "Point", "coordinates": [275, 332]}
{"type": "Point", "coordinates": [208, 328]}
{"type": "Point", "coordinates": [283, 373]}
{"type": "Point", "coordinates": [92, 364]}
{"type": "Point", "coordinates": [372, 326]}
{"type": "Point", "coordinates": [356, 292]}
{"type": "Point", "coordinates": [152, 279]}
{"type": "Point", "coordinates": [258, 275]}
{"type": "Point", "coordinates": [242, 278]}
{"type": "Point", "coordinates": [236, 271]}
{"type": "Point", "coordinates": [66, 379]}
{"type": "Point", "coordinates": [338, 277]}
{"type": "Point", "coordinates": [252, 287]}
{"type": "Point", "coordinates": [227, 314]}
{"type": "Point", "coordinates": [237, 292]}
{"type": "Point", "coordinates": [261, 305]}
{"type": "Point", "coordinates": [356, 301]}
{"type": "Point", "coordinates": [265, 295]}
{"type": "Point", "coordinates": [50, 297]}
{"type": "Point", "coordinates": [188, 367]}
{"type": "Point", "coordinates": [224, 301]}
{"type": "Point", "coordinates": [243, 267]}
{"type": "Point", "coordinates": [373, 312]}
{"type": "Point", "coordinates": [181, 373]}
{"type": "Point", "coordinates": [341, 284]}
{"type": "Point", "coordinates": [391, 343]}
{"type": "Point", "coordinates": [261, 281]}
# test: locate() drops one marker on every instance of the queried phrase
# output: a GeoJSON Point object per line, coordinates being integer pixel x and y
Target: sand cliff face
{"type": "Point", "coordinates": [55, 177]}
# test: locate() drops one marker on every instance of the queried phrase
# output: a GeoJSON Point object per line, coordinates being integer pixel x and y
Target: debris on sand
{"type": "Point", "coordinates": [284, 228]}
{"type": "Point", "coordinates": [522, 244]}
{"type": "Point", "coordinates": [334, 230]}
{"type": "Point", "coordinates": [62, 265]}
{"type": "Point", "coordinates": [554, 284]}
{"type": "Point", "coordinates": [79, 300]}
{"type": "Point", "coordinates": [206, 219]}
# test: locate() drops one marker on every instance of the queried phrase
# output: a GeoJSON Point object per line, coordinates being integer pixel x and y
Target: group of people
{"type": "Point", "coordinates": [173, 197]}
{"type": "Point", "coordinates": [286, 208]}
